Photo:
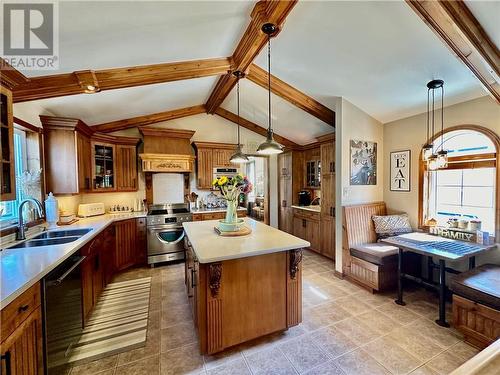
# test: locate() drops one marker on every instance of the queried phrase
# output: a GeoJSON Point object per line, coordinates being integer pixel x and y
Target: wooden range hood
{"type": "Point", "coordinates": [167, 150]}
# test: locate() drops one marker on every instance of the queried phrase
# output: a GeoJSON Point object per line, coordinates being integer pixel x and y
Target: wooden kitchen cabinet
{"type": "Point", "coordinates": [327, 159]}
{"type": "Point", "coordinates": [7, 175]}
{"type": "Point", "coordinates": [327, 241]}
{"type": "Point", "coordinates": [216, 215]}
{"type": "Point", "coordinates": [204, 162]}
{"type": "Point", "coordinates": [141, 248]}
{"type": "Point", "coordinates": [103, 166]}
{"type": "Point", "coordinates": [21, 334]}
{"type": "Point", "coordinates": [126, 168]}
{"type": "Point", "coordinates": [126, 241]}
{"type": "Point", "coordinates": [306, 225]}
{"type": "Point", "coordinates": [210, 155]}
{"type": "Point", "coordinates": [67, 154]}
{"type": "Point", "coordinates": [87, 269]}
{"type": "Point", "coordinates": [22, 351]}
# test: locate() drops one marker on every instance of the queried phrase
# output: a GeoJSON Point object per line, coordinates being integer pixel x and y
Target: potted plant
{"type": "Point", "coordinates": [231, 188]}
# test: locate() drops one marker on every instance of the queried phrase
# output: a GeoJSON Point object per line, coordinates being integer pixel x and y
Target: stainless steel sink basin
{"type": "Point", "coordinates": [63, 233]}
{"type": "Point", "coordinates": [44, 242]}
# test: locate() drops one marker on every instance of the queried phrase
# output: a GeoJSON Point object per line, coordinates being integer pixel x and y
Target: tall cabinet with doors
{"type": "Point", "coordinates": [79, 160]}
{"type": "Point", "coordinates": [7, 173]}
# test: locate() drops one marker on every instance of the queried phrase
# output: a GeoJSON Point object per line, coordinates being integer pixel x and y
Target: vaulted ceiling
{"type": "Point", "coordinates": [378, 55]}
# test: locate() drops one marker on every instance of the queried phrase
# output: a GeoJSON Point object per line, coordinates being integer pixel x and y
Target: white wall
{"type": "Point", "coordinates": [353, 124]}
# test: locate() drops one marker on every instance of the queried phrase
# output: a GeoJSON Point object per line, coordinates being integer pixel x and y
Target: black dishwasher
{"type": "Point", "coordinates": [62, 312]}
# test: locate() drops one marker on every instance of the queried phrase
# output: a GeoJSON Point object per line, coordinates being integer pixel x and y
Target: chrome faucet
{"type": "Point", "coordinates": [21, 230]}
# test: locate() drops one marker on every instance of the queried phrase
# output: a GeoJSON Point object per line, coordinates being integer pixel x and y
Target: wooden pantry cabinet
{"type": "Point", "coordinates": [306, 225]}
{"type": "Point", "coordinates": [21, 349]}
{"type": "Point", "coordinates": [7, 173]}
{"type": "Point", "coordinates": [79, 160]}
{"type": "Point", "coordinates": [209, 156]}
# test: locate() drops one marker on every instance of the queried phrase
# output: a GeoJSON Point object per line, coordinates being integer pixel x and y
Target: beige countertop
{"type": "Point", "coordinates": [209, 247]}
{"type": "Point", "coordinates": [21, 268]}
{"type": "Point", "coordinates": [316, 208]}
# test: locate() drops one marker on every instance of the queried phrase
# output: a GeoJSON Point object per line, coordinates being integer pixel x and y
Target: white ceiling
{"type": "Point", "coordinates": [488, 15]}
{"type": "Point", "coordinates": [378, 55]}
{"type": "Point", "coordinates": [110, 34]}
{"type": "Point", "coordinates": [131, 102]}
{"type": "Point", "coordinates": [287, 120]}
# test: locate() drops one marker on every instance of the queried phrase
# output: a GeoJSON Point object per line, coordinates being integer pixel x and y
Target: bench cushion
{"type": "Point", "coordinates": [377, 253]}
{"type": "Point", "coordinates": [481, 285]}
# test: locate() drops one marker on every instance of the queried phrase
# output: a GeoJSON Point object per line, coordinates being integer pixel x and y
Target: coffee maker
{"type": "Point", "coordinates": [304, 198]}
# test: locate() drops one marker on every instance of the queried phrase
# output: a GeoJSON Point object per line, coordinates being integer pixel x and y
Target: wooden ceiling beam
{"type": "Point", "coordinates": [457, 27]}
{"type": "Point", "coordinates": [291, 94]}
{"type": "Point", "coordinates": [148, 119]}
{"type": "Point", "coordinates": [109, 79]}
{"type": "Point", "coordinates": [247, 124]}
{"type": "Point", "coordinates": [250, 45]}
{"type": "Point", "coordinates": [9, 76]}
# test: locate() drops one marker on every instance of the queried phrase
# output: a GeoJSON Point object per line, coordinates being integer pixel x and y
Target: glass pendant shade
{"type": "Point", "coordinates": [270, 146]}
{"type": "Point", "coordinates": [432, 163]}
{"type": "Point", "coordinates": [442, 159]}
{"type": "Point", "coordinates": [427, 151]}
{"type": "Point", "coordinates": [239, 157]}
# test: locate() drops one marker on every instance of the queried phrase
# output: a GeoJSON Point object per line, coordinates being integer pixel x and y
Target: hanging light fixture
{"type": "Point", "coordinates": [269, 146]}
{"type": "Point", "coordinates": [439, 159]}
{"type": "Point", "coordinates": [238, 157]}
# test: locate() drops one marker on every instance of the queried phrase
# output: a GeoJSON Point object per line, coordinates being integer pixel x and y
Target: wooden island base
{"type": "Point", "coordinates": [234, 301]}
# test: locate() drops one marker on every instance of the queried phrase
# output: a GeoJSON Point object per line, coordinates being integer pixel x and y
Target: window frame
{"type": "Point", "coordinates": [464, 162]}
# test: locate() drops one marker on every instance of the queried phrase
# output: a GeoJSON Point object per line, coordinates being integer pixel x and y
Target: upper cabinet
{"type": "Point", "coordinates": [327, 158]}
{"type": "Point", "coordinates": [209, 156]}
{"type": "Point", "coordinates": [7, 176]}
{"type": "Point", "coordinates": [312, 168]}
{"type": "Point", "coordinates": [77, 160]}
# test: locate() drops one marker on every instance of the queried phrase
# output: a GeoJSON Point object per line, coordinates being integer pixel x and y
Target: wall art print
{"type": "Point", "coordinates": [363, 163]}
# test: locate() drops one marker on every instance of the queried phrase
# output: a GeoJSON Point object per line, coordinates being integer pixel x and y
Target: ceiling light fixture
{"type": "Point", "coordinates": [439, 159]}
{"type": "Point", "coordinates": [238, 157]}
{"type": "Point", "coordinates": [269, 146]}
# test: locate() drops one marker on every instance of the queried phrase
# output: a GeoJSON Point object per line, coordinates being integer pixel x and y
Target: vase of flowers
{"type": "Point", "coordinates": [231, 188]}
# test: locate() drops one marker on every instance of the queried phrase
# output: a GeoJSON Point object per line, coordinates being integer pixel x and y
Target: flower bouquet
{"type": "Point", "coordinates": [231, 188]}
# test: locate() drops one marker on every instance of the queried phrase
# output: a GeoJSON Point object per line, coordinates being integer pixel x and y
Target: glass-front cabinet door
{"type": "Point", "coordinates": [313, 174]}
{"type": "Point", "coordinates": [103, 167]}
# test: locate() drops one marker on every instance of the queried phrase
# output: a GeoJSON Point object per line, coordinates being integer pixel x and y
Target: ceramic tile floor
{"type": "Point", "coordinates": [345, 331]}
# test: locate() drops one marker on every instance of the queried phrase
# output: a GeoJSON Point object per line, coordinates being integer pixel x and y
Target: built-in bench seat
{"type": "Point", "coordinates": [377, 253]}
{"type": "Point", "coordinates": [476, 304]}
{"type": "Point", "coordinates": [365, 261]}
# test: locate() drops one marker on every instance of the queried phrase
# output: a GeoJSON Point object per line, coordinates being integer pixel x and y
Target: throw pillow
{"type": "Point", "coordinates": [391, 225]}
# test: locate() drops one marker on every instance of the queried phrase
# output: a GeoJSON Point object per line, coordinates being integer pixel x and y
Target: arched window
{"type": "Point", "coordinates": [468, 187]}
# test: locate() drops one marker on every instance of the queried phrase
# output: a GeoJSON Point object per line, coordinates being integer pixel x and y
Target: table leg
{"type": "Point", "coordinates": [430, 270]}
{"type": "Point", "coordinates": [442, 295]}
{"type": "Point", "coordinates": [472, 262]}
{"type": "Point", "coordinates": [400, 301]}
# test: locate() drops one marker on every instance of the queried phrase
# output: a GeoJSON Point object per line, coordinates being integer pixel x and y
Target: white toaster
{"type": "Point", "coordinates": [91, 209]}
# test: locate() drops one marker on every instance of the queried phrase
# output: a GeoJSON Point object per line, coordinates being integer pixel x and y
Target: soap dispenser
{"type": "Point", "coordinates": [51, 210]}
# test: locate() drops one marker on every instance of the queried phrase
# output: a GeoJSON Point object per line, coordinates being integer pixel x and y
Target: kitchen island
{"type": "Point", "coordinates": [242, 288]}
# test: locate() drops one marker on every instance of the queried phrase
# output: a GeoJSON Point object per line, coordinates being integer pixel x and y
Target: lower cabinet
{"type": "Point", "coordinates": [21, 344]}
{"type": "Point", "coordinates": [126, 241]}
{"type": "Point", "coordinates": [327, 247]}
{"type": "Point", "coordinates": [307, 227]}
{"type": "Point", "coordinates": [118, 247]}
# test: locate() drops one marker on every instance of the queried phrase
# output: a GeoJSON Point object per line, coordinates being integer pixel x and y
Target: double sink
{"type": "Point", "coordinates": [53, 238]}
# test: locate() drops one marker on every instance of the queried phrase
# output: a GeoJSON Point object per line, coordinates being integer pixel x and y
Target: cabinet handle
{"type": "Point", "coordinates": [331, 167]}
{"type": "Point", "coordinates": [6, 357]}
{"type": "Point", "coordinates": [87, 183]}
{"type": "Point", "coordinates": [193, 272]}
{"type": "Point", "coordinates": [96, 263]}
{"type": "Point", "coordinates": [23, 308]}
{"type": "Point", "coordinates": [303, 223]}
{"type": "Point", "coordinates": [283, 203]}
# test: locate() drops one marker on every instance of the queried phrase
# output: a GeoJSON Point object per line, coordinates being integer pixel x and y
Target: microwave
{"type": "Point", "coordinates": [225, 171]}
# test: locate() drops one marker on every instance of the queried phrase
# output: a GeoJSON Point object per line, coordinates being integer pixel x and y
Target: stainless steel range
{"type": "Point", "coordinates": [165, 232]}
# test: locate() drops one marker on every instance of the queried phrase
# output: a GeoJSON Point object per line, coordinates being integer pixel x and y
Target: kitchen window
{"type": "Point", "coordinates": [27, 179]}
{"type": "Point", "coordinates": [467, 188]}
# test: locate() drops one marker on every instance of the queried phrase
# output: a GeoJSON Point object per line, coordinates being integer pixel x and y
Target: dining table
{"type": "Point", "coordinates": [434, 247]}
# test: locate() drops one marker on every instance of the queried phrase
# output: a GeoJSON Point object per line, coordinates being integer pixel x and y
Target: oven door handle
{"type": "Point", "coordinates": [171, 230]}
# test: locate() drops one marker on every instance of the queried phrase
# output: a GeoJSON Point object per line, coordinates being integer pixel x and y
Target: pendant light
{"type": "Point", "coordinates": [269, 146]}
{"type": "Point", "coordinates": [439, 159]}
{"type": "Point", "coordinates": [238, 157]}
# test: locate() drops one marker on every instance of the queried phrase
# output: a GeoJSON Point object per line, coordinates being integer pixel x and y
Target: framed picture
{"type": "Point", "coordinates": [400, 170]}
{"type": "Point", "coordinates": [363, 163]}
